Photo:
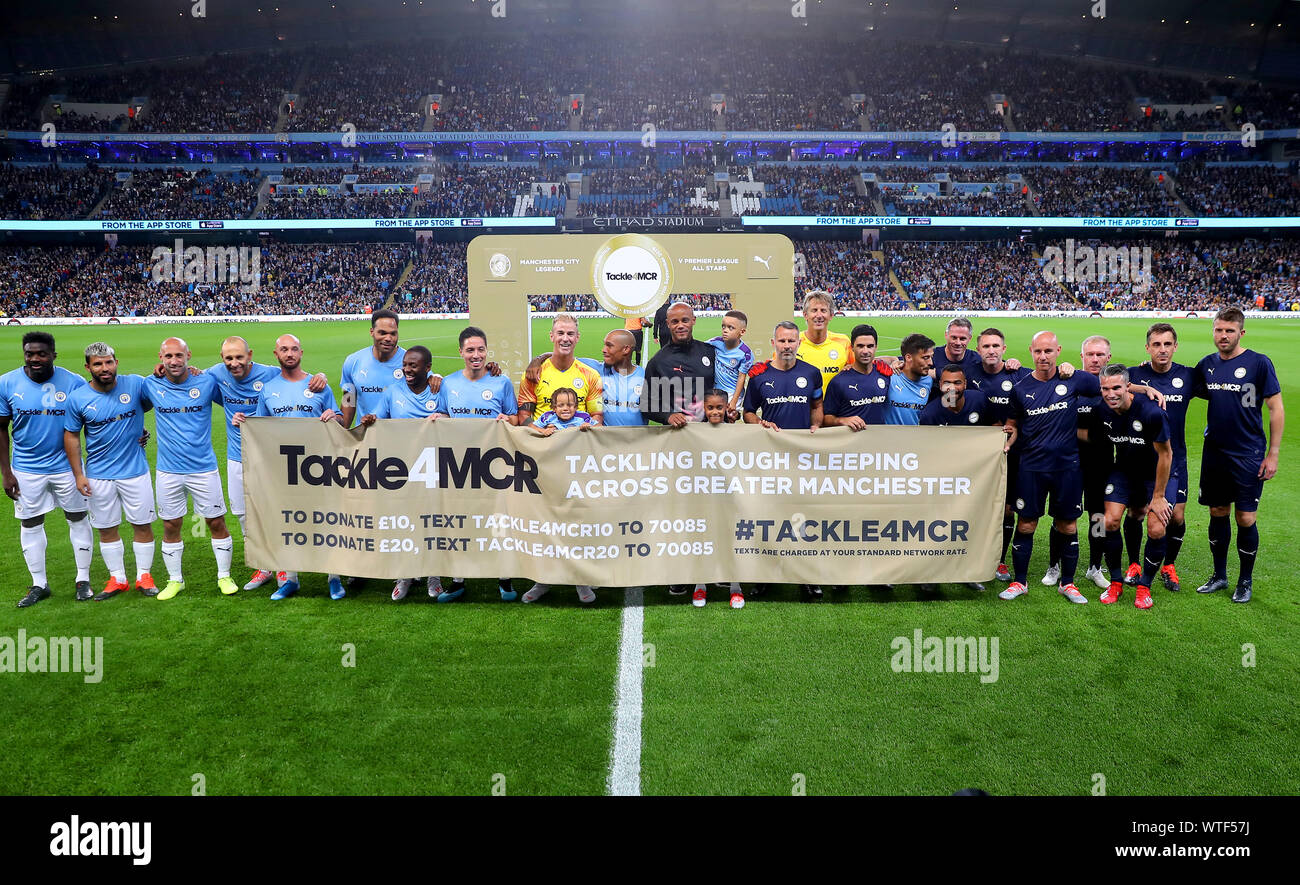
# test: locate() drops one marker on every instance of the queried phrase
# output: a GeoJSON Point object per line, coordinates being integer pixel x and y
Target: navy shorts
{"type": "Point", "coordinates": [1178, 482]}
{"type": "Point", "coordinates": [1226, 480]}
{"type": "Point", "coordinates": [1095, 477]}
{"type": "Point", "coordinates": [1135, 492]}
{"type": "Point", "coordinates": [1065, 487]}
{"type": "Point", "coordinates": [1013, 468]}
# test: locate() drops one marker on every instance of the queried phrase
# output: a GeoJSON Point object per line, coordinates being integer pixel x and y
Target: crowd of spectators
{"type": "Point", "coordinates": [989, 275]}
{"type": "Point", "coordinates": [403, 173]}
{"type": "Point", "coordinates": [292, 280]}
{"type": "Point", "coordinates": [179, 193]}
{"type": "Point", "coordinates": [438, 281]}
{"type": "Point", "coordinates": [288, 204]}
{"type": "Point", "coordinates": [485, 190]}
{"type": "Point", "coordinates": [51, 192]}
{"type": "Point", "coordinates": [1099, 191]}
{"type": "Point", "coordinates": [949, 275]}
{"type": "Point", "coordinates": [1238, 192]}
{"type": "Point", "coordinates": [478, 190]}
{"type": "Point", "coordinates": [647, 191]}
{"type": "Point", "coordinates": [847, 269]}
{"type": "Point", "coordinates": [525, 84]}
{"type": "Point", "coordinates": [806, 190]}
{"type": "Point", "coordinates": [991, 204]}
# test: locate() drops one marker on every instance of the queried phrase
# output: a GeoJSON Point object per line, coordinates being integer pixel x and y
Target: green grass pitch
{"type": "Point", "coordinates": [780, 697]}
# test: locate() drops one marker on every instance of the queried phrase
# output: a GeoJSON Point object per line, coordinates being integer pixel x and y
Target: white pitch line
{"type": "Point", "coordinates": [625, 757]}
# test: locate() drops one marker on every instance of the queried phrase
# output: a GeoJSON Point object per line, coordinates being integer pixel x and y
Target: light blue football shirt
{"type": "Point", "coordinates": [485, 398]}
{"type": "Point", "coordinates": [282, 398]}
{"type": "Point", "coordinates": [36, 415]}
{"type": "Point", "coordinates": [240, 396]}
{"type": "Point", "coordinates": [113, 422]}
{"type": "Point", "coordinates": [369, 378]}
{"type": "Point", "coordinates": [183, 421]}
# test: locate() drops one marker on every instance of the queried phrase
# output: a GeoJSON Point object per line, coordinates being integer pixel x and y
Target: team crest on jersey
{"type": "Point", "coordinates": [124, 398]}
{"type": "Point", "coordinates": [1137, 425]}
{"type": "Point", "coordinates": [974, 417]}
{"type": "Point", "coordinates": [194, 393]}
{"type": "Point", "coordinates": [1177, 382]}
{"type": "Point", "coordinates": [801, 382]}
{"type": "Point", "coordinates": [636, 389]}
{"type": "Point", "coordinates": [833, 354]}
{"type": "Point", "coordinates": [1240, 373]}
{"type": "Point", "coordinates": [880, 382]}
{"type": "Point", "coordinates": [429, 404]}
{"type": "Point", "coordinates": [1110, 488]}
{"type": "Point", "coordinates": [397, 373]}
{"type": "Point", "coordinates": [60, 396]}
{"type": "Point", "coordinates": [1007, 385]}
{"type": "Point", "coordinates": [578, 384]}
{"type": "Point", "coordinates": [257, 385]}
{"type": "Point", "coordinates": [487, 394]}
{"type": "Point", "coordinates": [1061, 389]}
{"type": "Point", "coordinates": [308, 394]}
{"type": "Point", "coordinates": [1020, 503]}
{"type": "Point", "coordinates": [704, 360]}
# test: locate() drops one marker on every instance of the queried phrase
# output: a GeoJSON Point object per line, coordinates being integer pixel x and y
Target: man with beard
{"type": "Point", "coordinates": [289, 395]}
{"type": "Point", "coordinates": [116, 474]}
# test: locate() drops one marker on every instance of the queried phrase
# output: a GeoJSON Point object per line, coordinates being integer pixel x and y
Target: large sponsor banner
{"type": "Point", "coordinates": [622, 506]}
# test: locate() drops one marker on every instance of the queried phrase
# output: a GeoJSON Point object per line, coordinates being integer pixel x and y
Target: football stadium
{"type": "Point", "coordinates": [687, 229]}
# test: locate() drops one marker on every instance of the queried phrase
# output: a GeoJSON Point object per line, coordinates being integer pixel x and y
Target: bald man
{"type": "Point", "coordinates": [1044, 406]}
{"type": "Point", "coordinates": [241, 381]}
{"type": "Point", "coordinates": [289, 395]}
{"type": "Point", "coordinates": [187, 466]}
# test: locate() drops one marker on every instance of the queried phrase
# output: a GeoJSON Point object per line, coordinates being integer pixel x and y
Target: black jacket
{"type": "Point", "coordinates": [676, 379]}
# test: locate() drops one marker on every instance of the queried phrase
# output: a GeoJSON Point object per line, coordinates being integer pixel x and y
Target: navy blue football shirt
{"type": "Point", "coordinates": [785, 396]}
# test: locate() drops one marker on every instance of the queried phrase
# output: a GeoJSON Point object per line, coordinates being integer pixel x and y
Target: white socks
{"type": "Point", "coordinates": [114, 554]}
{"type": "Point", "coordinates": [34, 544]}
{"type": "Point", "coordinates": [143, 557]}
{"type": "Point", "coordinates": [83, 546]}
{"type": "Point", "coordinates": [172, 554]}
{"type": "Point", "coordinates": [224, 550]}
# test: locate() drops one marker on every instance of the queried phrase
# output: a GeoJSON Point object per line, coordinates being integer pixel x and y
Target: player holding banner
{"type": "Point", "coordinates": [413, 399]}
{"type": "Point", "coordinates": [33, 400]}
{"type": "Point", "coordinates": [474, 393]}
{"type": "Point", "coordinates": [289, 395]}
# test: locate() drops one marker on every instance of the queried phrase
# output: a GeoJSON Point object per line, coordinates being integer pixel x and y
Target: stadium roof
{"type": "Point", "coordinates": [1243, 37]}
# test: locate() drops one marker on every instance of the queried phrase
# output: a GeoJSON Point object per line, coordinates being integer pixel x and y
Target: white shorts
{"type": "Point", "coordinates": [39, 493]}
{"type": "Point", "coordinates": [109, 497]}
{"type": "Point", "coordinates": [235, 482]}
{"type": "Point", "coordinates": [204, 489]}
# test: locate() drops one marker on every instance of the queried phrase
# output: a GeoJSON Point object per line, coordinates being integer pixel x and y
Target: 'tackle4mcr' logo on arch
{"type": "Point", "coordinates": [438, 467]}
